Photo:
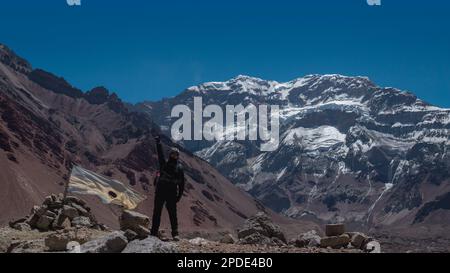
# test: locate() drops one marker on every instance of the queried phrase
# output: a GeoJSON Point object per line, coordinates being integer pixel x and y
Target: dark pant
{"type": "Point", "coordinates": [166, 196]}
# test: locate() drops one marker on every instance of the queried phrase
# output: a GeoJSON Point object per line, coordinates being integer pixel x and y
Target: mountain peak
{"type": "Point", "coordinates": [246, 78]}
{"type": "Point", "coordinates": [11, 59]}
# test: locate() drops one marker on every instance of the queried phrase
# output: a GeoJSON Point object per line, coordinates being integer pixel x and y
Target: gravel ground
{"type": "Point", "coordinates": [33, 240]}
{"type": "Point", "coordinates": [213, 247]}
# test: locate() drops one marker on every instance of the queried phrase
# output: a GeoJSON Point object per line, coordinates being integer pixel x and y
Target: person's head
{"type": "Point", "coordinates": [174, 154]}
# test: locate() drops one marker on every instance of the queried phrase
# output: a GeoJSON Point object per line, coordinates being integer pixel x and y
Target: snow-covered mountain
{"type": "Point", "coordinates": [349, 149]}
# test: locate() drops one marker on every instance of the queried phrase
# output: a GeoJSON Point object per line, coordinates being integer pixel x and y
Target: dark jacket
{"type": "Point", "coordinates": [171, 176]}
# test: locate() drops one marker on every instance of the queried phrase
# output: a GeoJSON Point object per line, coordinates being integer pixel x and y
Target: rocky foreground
{"type": "Point", "coordinates": [66, 225]}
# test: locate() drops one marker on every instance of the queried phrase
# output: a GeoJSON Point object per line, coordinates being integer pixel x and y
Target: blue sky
{"type": "Point", "coordinates": [145, 50]}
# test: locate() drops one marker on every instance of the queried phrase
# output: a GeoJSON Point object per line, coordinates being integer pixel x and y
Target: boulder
{"type": "Point", "coordinates": [136, 222]}
{"type": "Point", "coordinates": [334, 230]}
{"type": "Point", "coordinates": [75, 200]}
{"type": "Point", "coordinates": [32, 220]}
{"type": "Point", "coordinates": [44, 223]}
{"type": "Point", "coordinates": [81, 210]}
{"type": "Point", "coordinates": [114, 242]}
{"type": "Point", "coordinates": [142, 232]}
{"type": "Point", "coordinates": [50, 214]}
{"type": "Point", "coordinates": [37, 212]}
{"type": "Point", "coordinates": [132, 219]}
{"type": "Point", "coordinates": [55, 205]}
{"type": "Point", "coordinates": [48, 200]}
{"type": "Point", "coordinates": [58, 241]}
{"type": "Point", "coordinates": [65, 224]}
{"type": "Point", "coordinates": [131, 235]}
{"type": "Point", "coordinates": [61, 222]}
{"type": "Point", "coordinates": [22, 227]}
{"type": "Point", "coordinates": [308, 239]}
{"type": "Point", "coordinates": [150, 245]}
{"type": "Point", "coordinates": [73, 247]}
{"type": "Point", "coordinates": [81, 221]}
{"type": "Point", "coordinates": [70, 212]}
{"type": "Point", "coordinates": [373, 247]}
{"type": "Point", "coordinates": [259, 229]}
{"type": "Point", "coordinates": [358, 239]}
{"type": "Point", "coordinates": [27, 246]}
{"type": "Point", "coordinates": [227, 239]}
{"type": "Point", "coordinates": [13, 223]}
{"type": "Point", "coordinates": [335, 241]}
{"type": "Point", "coordinates": [34, 209]}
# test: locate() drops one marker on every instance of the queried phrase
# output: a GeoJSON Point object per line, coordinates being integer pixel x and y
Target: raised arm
{"type": "Point", "coordinates": [161, 158]}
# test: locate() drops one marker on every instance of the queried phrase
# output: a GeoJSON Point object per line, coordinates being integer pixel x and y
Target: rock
{"type": "Point", "coordinates": [48, 200]}
{"type": "Point", "coordinates": [199, 241]}
{"type": "Point", "coordinates": [39, 211]}
{"type": "Point", "coordinates": [66, 224]}
{"type": "Point", "coordinates": [114, 242]}
{"type": "Point", "coordinates": [335, 241]}
{"type": "Point", "coordinates": [50, 214]}
{"type": "Point", "coordinates": [142, 232]}
{"type": "Point", "coordinates": [334, 230]}
{"type": "Point", "coordinates": [131, 235]}
{"type": "Point", "coordinates": [81, 210]}
{"type": "Point", "coordinates": [15, 222]}
{"type": "Point", "coordinates": [373, 247]}
{"type": "Point", "coordinates": [36, 215]}
{"type": "Point", "coordinates": [55, 205]}
{"type": "Point", "coordinates": [260, 227]}
{"type": "Point", "coordinates": [54, 198]}
{"type": "Point", "coordinates": [58, 241]}
{"type": "Point", "coordinates": [27, 246]}
{"type": "Point", "coordinates": [131, 219]}
{"type": "Point", "coordinates": [34, 209]}
{"type": "Point", "coordinates": [75, 200]}
{"type": "Point", "coordinates": [70, 212]}
{"type": "Point", "coordinates": [358, 239]}
{"type": "Point", "coordinates": [137, 222]}
{"type": "Point", "coordinates": [73, 247]}
{"type": "Point", "coordinates": [22, 227]}
{"type": "Point", "coordinates": [308, 239]}
{"type": "Point", "coordinates": [32, 220]}
{"type": "Point", "coordinates": [61, 222]}
{"type": "Point", "coordinates": [163, 235]}
{"type": "Point", "coordinates": [81, 221]}
{"type": "Point", "coordinates": [102, 227]}
{"type": "Point", "coordinates": [254, 239]}
{"type": "Point", "coordinates": [227, 239]}
{"type": "Point", "coordinates": [44, 223]}
{"type": "Point", "coordinates": [150, 245]}
{"type": "Point", "coordinates": [258, 239]}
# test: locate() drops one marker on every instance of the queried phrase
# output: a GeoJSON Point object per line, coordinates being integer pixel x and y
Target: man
{"type": "Point", "coordinates": [169, 189]}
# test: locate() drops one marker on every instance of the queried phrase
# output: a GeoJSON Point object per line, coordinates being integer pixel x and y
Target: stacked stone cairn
{"type": "Point", "coordinates": [57, 213]}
